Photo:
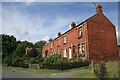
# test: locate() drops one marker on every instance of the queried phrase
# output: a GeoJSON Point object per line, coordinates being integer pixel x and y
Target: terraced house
{"type": "Point", "coordinates": [93, 39]}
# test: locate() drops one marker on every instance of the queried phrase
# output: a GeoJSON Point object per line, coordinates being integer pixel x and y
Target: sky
{"type": "Point", "coordinates": [35, 21]}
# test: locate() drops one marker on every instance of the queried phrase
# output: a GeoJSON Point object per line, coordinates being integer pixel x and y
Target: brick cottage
{"type": "Point", "coordinates": [93, 39]}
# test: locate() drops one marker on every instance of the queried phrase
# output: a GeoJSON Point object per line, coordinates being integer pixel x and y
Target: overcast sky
{"type": "Point", "coordinates": [34, 21]}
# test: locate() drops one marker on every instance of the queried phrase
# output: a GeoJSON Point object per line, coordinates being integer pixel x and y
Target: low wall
{"type": "Point", "coordinates": [34, 66]}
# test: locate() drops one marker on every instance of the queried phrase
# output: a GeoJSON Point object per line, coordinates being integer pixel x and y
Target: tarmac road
{"type": "Point", "coordinates": [23, 75]}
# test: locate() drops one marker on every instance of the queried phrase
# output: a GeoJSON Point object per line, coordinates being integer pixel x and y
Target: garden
{"type": "Point", "coordinates": [59, 63]}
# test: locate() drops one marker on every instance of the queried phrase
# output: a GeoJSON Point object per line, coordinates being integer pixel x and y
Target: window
{"type": "Point", "coordinates": [58, 42]}
{"type": "Point", "coordinates": [46, 53]}
{"type": "Point", "coordinates": [58, 51]}
{"type": "Point", "coordinates": [82, 48]}
{"type": "Point", "coordinates": [64, 39]}
{"type": "Point", "coordinates": [79, 49]}
{"type": "Point", "coordinates": [51, 45]}
{"type": "Point", "coordinates": [80, 32]}
{"type": "Point", "coordinates": [65, 52]}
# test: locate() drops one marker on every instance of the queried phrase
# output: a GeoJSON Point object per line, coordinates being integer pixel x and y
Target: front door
{"type": "Point", "coordinates": [70, 53]}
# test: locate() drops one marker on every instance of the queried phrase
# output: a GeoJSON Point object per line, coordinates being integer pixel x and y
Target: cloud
{"type": "Point", "coordinates": [46, 38]}
{"type": "Point", "coordinates": [29, 2]}
{"type": "Point", "coordinates": [28, 22]}
{"type": "Point", "coordinates": [21, 25]}
{"type": "Point", "coordinates": [30, 27]}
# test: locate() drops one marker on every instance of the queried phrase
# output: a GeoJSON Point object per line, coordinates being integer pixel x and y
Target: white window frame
{"type": "Point", "coordinates": [65, 52]}
{"type": "Point", "coordinates": [65, 39]}
{"type": "Point", "coordinates": [83, 48]}
{"type": "Point", "coordinates": [51, 45]}
{"type": "Point", "coordinates": [80, 32]}
{"type": "Point", "coordinates": [70, 53]}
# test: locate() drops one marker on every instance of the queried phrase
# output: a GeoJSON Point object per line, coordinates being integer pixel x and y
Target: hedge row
{"type": "Point", "coordinates": [65, 66]}
{"type": "Point", "coordinates": [20, 65]}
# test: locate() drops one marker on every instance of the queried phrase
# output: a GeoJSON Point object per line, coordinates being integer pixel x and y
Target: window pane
{"type": "Point", "coordinates": [80, 32]}
{"type": "Point", "coordinates": [82, 48]}
{"type": "Point", "coordinates": [64, 39]}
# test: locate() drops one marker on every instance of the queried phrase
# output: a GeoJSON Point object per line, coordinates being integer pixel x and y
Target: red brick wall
{"type": "Point", "coordinates": [71, 40]}
{"type": "Point", "coordinates": [101, 38]}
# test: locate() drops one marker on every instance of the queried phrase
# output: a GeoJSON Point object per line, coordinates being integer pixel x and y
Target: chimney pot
{"type": "Point", "coordinates": [59, 34]}
{"type": "Point", "coordinates": [98, 8]}
{"type": "Point", "coordinates": [73, 25]}
{"type": "Point", "coordinates": [50, 39]}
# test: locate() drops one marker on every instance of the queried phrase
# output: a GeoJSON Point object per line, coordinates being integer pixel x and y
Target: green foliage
{"type": "Point", "coordinates": [9, 44]}
{"type": "Point", "coordinates": [39, 45]}
{"type": "Point", "coordinates": [21, 48]}
{"type": "Point", "coordinates": [32, 61]}
{"type": "Point", "coordinates": [52, 59]}
{"type": "Point", "coordinates": [100, 70]}
{"type": "Point", "coordinates": [13, 52]}
{"type": "Point", "coordinates": [19, 54]}
{"type": "Point", "coordinates": [48, 60]}
{"type": "Point", "coordinates": [35, 60]}
{"type": "Point", "coordinates": [16, 60]}
{"type": "Point", "coordinates": [57, 62]}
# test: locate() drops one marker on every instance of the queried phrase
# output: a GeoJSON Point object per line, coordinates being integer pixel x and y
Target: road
{"type": "Point", "coordinates": [24, 74]}
{"type": "Point", "coordinates": [21, 74]}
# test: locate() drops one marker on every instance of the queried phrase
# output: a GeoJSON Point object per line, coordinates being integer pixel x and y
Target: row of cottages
{"type": "Point", "coordinates": [93, 39]}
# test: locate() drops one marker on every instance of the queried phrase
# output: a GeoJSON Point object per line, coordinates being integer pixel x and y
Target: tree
{"type": "Point", "coordinates": [8, 46]}
{"type": "Point", "coordinates": [20, 52]}
{"type": "Point", "coordinates": [40, 45]}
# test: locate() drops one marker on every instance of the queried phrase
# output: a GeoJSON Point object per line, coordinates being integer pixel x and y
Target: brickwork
{"type": "Point", "coordinates": [102, 38]}
{"type": "Point", "coordinates": [98, 36]}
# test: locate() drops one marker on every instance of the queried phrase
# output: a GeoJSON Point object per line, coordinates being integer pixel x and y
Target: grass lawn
{"type": "Point", "coordinates": [39, 71]}
{"type": "Point", "coordinates": [42, 71]}
{"type": "Point", "coordinates": [86, 73]}
{"type": "Point", "coordinates": [112, 71]}
{"type": "Point", "coordinates": [0, 67]}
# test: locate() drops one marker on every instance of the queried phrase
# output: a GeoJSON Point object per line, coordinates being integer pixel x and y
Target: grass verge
{"type": "Point", "coordinates": [112, 71]}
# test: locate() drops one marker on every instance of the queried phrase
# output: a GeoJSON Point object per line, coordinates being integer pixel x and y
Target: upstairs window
{"type": "Point", "coordinates": [51, 45]}
{"type": "Point", "coordinates": [58, 42]}
{"type": "Point", "coordinates": [80, 32]}
{"type": "Point", "coordinates": [64, 39]}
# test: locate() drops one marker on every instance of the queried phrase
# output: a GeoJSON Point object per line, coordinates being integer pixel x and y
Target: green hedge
{"type": "Point", "coordinates": [66, 65]}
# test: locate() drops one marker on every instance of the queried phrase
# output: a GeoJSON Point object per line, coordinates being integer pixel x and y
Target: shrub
{"type": "Point", "coordinates": [56, 62]}
{"type": "Point", "coordinates": [100, 70]}
{"type": "Point", "coordinates": [32, 61]}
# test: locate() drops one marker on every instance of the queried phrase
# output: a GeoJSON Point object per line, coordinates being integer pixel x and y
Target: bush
{"type": "Point", "coordinates": [100, 70]}
{"type": "Point", "coordinates": [53, 59]}
{"type": "Point", "coordinates": [56, 62]}
{"type": "Point", "coordinates": [32, 61]}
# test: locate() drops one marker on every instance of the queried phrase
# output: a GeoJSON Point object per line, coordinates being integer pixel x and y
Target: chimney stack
{"type": "Point", "coordinates": [59, 34]}
{"type": "Point", "coordinates": [98, 8]}
{"type": "Point", "coordinates": [50, 39]}
{"type": "Point", "coordinates": [73, 25]}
